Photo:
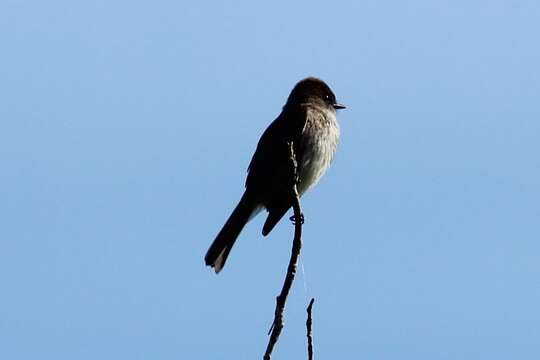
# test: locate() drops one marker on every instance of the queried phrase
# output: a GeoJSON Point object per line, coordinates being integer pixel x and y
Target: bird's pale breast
{"type": "Point", "coordinates": [319, 142]}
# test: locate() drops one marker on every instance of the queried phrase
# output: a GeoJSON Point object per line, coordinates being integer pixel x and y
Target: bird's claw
{"type": "Point", "coordinates": [293, 219]}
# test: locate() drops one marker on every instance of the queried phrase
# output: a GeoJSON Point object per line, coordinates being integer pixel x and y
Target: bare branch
{"type": "Point", "coordinates": [281, 299]}
{"type": "Point", "coordinates": [308, 328]}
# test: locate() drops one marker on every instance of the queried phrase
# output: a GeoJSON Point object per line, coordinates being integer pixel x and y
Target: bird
{"type": "Point", "coordinates": [308, 120]}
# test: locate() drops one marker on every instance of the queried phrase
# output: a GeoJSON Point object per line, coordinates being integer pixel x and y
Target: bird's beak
{"type": "Point", "coordinates": [339, 106]}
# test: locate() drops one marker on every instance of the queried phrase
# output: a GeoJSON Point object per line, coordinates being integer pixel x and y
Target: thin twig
{"type": "Point", "coordinates": [281, 299]}
{"type": "Point", "coordinates": [309, 332]}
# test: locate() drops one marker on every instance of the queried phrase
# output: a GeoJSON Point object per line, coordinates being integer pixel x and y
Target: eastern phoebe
{"type": "Point", "coordinates": [308, 119]}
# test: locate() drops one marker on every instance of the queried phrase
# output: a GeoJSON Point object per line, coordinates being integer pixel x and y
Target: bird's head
{"type": "Point", "coordinates": [312, 90]}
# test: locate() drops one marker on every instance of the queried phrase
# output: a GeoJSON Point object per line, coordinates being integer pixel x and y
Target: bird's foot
{"type": "Point", "coordinates": [293, 219]}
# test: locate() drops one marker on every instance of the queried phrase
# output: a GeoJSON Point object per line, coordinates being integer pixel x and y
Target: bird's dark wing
{"type": "Point", "coordinates": [271, 158]}
{"type": "Point", "coordinates": [269, 172]}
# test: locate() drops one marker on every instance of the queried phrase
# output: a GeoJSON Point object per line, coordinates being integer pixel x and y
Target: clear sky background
{"type": "Point", "coordinates": [125, 131]}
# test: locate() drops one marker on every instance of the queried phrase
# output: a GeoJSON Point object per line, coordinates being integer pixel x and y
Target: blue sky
{"type": "Point", "coordinates": [126, 129]}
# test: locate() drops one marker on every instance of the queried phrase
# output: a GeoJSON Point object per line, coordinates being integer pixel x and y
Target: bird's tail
{"type": "Point", "coordinates": [217, 254]}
